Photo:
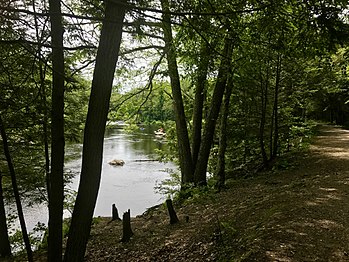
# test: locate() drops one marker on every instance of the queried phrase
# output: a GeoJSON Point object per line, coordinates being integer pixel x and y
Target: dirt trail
{"type": "Point", "coordinates": [309, 210]}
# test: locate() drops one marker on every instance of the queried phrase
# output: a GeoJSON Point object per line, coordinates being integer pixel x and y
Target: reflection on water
{"type": "Point", "coordinates": [130, 186]}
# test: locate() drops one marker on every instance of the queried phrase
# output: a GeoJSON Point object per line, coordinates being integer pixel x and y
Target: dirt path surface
{"type": "Point", "coordinates": [308, 218]}
{"type": "Point", "coordinates": [300, 214]}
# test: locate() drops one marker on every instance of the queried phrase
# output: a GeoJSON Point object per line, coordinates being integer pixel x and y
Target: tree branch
{"type": "Point", "coordinates": [142, 48]}
{"type": "Point", "coordinates": [23, 41]}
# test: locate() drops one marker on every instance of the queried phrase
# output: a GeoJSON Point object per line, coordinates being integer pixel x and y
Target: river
{"type": "Point", "coordinates": [130, 186]}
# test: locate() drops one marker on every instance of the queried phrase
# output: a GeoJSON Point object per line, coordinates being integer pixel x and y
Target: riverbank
{"type": "Point", "coordinates": [298, 214]}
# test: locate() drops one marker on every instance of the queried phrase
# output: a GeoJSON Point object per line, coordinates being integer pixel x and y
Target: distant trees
{"type": "Point", "coordinates": [269, 43]}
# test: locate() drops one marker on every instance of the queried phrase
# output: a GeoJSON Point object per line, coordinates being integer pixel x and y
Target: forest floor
{"type": "Point", "coordinates": [297, 214]}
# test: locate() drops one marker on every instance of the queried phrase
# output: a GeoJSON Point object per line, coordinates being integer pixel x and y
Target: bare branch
{"type": "Point", "coordinates": [148, 86]}
{"type": "Point", "coordinates": [134, 7]}
{"type": "Point", "coordinates": [143, 34]}
{"type": "Point", "coordinates": [23, 41]}
{"type": "Point", "coordinates": [142, 48]}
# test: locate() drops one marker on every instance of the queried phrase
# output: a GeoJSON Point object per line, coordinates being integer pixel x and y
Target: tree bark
{"type": "Point", "coordinates": [56, 187]}
{"type": "Point", "coordinates": [43, 106]}
{"type": "Point", "coordinates": [264, 101]}
{"type": "Point", "coordinates": [107, 56]}
{"type": "Point", "coordinates": [217, 97]}
{"type": "Point", "coordinates": [184, 152]}
{"type": "Point", "coordinates": [220, 173]}
{"type": "Point", "coordinates": [15, 191]}
{"type": "Point", "coordinates": [200, 94]}
{"type": "Point", "coordinates": [276, 105]}
{"type": "Point", "coordinates": [5, 247]}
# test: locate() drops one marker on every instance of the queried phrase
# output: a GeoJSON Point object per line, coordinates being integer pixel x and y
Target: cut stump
{"type": "Point", "coordinates": [115, 214]}
{"type": "Point", "coordinates": [126, 227]}
{"type": "Point", "coordinates": [172, 213]}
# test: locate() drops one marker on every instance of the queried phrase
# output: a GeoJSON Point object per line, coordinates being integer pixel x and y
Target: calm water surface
{"type": "Point", "coordinates": [130, 186]}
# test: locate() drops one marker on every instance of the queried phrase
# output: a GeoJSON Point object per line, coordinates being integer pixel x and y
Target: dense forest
{"type": "Point", "coordinates": [235, 84]}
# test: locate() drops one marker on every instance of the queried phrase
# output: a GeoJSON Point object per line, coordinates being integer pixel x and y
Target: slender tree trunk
{"type": "Point", "coordinates": [56, 187]}
{"type": "Point", "coordinates": [220, 172]}
{"type": "Point", "coordinates": [217, 97]}
{"type": "Point", "coordinates": [184, 152]}
{"type": "Point", "coordinates": [271, 133]}
{"type": "Point", "coordinates": [15, 191]}
{"type": "Point", "coordinates": [5, 247]}
{"type": "Point", "coordinates": [43, 106]}
{"type": "Point", "coordinates": [264, 98]}
{"type": "Point", "coordinates": [92, 155]}
{"type": "Point", "coordinates": [276, 110]}
{"type": "Point", "coordinates": [46, 143]}
{"type": "Point", "coordinates": [200, 94]}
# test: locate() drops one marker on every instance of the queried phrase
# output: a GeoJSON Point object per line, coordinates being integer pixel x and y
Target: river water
{"type": "Point", "coordinates": [130, 186]}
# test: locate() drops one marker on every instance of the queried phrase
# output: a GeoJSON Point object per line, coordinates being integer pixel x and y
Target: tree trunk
{"type": "Point", "coordinates": [5, 247]}
{"type": "Point", "coordinates": [200, 94]}
{"type": "Point", "coordinates": [276, 110]}
{"type": "Point", "coordinates": [43, 106]}
{"type": "Point", "coordinates": [15, 191]}
{"type": "Point", "coordinates": [56, 187]}
{"type": "Point", "coordinates": [107, 56]}
{"type": "Point", "coordinates": [220, 173]}
{"type": "Point", "coordinates": [264, 100]}
{"type": "Point", "coordinates": [217, 97]}
{"type": "Point", "coordinates": [184, 152]}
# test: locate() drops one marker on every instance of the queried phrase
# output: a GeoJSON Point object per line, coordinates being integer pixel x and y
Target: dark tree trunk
{"type": "Point", "coordinates": [57, 144]}
{"type": "Point", "coordinates": [43, 106]}
{"type": "Point", "coordinates": [271, 134]}
{"type": "Point", "coordinates": [220, 173]}
{"type": "Point", "coordinates": [200, 94]}
{"type": "Point", "coordinates": [107, 56]}
{"type": "Point", "coordinates": [276, 110]}
{"type": "Point", "coordinates": [184, 152]}
{"type": "Point", "coordinates": [46, 146]}
{"type": "Point", "coordinates": [264, 100]}
{"type": "Point", "coordinates": [126, 227]}
{"type": "Point", "coordinates": [172, 213]}
{"type": "Point", "coordinates": [15, 191]}
{"type": "Point", "coordinates": [5, 247]}
{"type": "Point", "coordinates": [217, 97]}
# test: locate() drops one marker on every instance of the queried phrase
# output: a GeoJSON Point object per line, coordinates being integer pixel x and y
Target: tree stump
{"type": "Point", "coordinates": [173, 216]}
{"type": "Point", "coordinates": [126, 227]}
{"type": "Point", "coordinates": [115, 214]}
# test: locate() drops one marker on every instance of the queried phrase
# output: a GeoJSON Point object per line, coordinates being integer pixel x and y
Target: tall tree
{"type": "Point", "coordinates": [212, 116]}
{"type": "Point", "coordinates": [5, 247]}
{"type": "Point", "coordinates": [107, 56]}
{"type": "Point", "coordinates": [184, 152]}
{"type": "Point", "coordinates": [200, 94]}
{"type": "Point", "coordinates": [16, 191]}
{"type": "Point", "coordinates": [56, 186]}
{"type": "Point", "coordinates": [223, 136]}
